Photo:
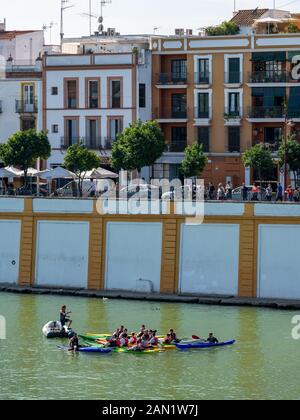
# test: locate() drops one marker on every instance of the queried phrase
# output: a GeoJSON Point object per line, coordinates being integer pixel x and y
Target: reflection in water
{"type": "Point", "coordinates": [263, 364]}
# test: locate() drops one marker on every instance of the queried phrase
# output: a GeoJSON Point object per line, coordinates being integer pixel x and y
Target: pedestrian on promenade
{"type": "Point", "coordinates": [228, 191]}
{"type": "Point", "coordinates": [290, 193]}
{"type": "Point", "coordinates": [255, 191]}
{"type": "Point", "coordinates": [211, 191]}
{"type": "Point", "coordinates": [221, 192]}
{"type": "Point", "coordinates": [296, 195]}
{"type": "Point", "coordinates": [244, 192]}
{"type": "Point", "coordinates": [269, 193]}
{"type": "Point", "coordinates": [279, 194]}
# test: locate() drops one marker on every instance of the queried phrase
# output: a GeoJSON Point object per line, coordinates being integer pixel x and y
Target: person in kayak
{"type": "Point", "coordinates": [173, 336]}
{"type": "Point", "coordinates": [133, 339]}
{"type": "Point", "coordinates": [153, 339]}
{"type": "Point", "coordinates": [168, 339]}
{"type": "Point", "coordinates": [211, 339]}
{"type": "Point", "coordinates": [64, 317]}
{"type": "Point", "coordinates": [142, 331]}
{"type": "Point", "coordinates": [74, 343]}
{"type": "Point", "coordinates": [123, 340]}
{"type": "Point", "coordinates": [139, 346]}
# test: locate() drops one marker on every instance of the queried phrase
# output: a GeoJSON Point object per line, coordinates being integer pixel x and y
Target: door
{"type": "Point", "coordinates": [9, 250]}
{"type": "Point", "coordinates": [28, 98]}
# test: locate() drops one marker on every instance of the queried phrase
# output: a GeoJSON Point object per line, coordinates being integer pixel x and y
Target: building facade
{"type": "Point", "coordinates": [227, 93]}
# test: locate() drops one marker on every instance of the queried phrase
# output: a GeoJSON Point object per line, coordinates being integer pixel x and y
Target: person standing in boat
{"type": "Point", "coordinates": [64, 317]}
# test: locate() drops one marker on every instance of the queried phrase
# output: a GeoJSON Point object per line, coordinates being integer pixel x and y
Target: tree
{"type": "Point", "coordinates": [292, 28]}
{"type": "Point", "coordinates": [194, 161]}
{"type": "Point", "coordinates": [139, 145]}
{"type": "Point", "coordinates": [226, 28]}
{"type": "Point", "coordinates": [260, 159]}
{"type": "Point", "coordinates": [23, 149]}
{"type": "Point", "coordinates": [80, 160]}
{"type": "Point", "coordinates": [292, 150]}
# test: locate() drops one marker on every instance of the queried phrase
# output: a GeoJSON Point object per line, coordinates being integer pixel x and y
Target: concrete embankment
{"type": "Point", "coordinates": [157, 297]}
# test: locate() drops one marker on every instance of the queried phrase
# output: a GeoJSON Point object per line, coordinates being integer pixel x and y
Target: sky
{"type": "Point", "coordinates": [127, 16]}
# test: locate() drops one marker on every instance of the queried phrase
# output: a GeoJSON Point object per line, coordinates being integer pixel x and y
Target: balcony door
{"type": "Point", "coordinates": [179, 71]}
{"type": "Point", "coordinates": [179, 105]}
{"type": "Point", "coordinates": [71, 131]}
{"type": "Point", "coordinates": [203, 69]}
{"type": "Point", "coordinates": [28, 97]}
{"type": "Point", "coordinates": [203, 105]}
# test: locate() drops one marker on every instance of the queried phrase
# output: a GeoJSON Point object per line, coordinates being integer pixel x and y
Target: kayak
{"type": "Point", "coordinates": [199, 345]}
{"type": "Point", "coordinates": [89, 349]}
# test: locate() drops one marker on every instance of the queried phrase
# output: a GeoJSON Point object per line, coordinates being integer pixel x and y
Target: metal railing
{"type": "Point", "coordinates": [233, 78]}
{"type": "Point", "coordinates": [266, 112]}
{"type": "Point", "coordinates": [177, 146]}
{"type": "Point", "coordinates": [232, 113]}
{"type": "Point", "coordinates": [271, 77]}
{"type": "Point", "coordinates": [202, 78]}
{"type": "Point", "coordinates": [171, 79]}
{"type": "Point", "coordinates": [22, 107]}
{"type": "Point", "coordinates": [202, 114]}
{"type": "Point", "coordinates": [91, 144]}
{"type": "Point", "coordinates": [171, 113]}
{"type": "Point", "coordinates": [109, 142]}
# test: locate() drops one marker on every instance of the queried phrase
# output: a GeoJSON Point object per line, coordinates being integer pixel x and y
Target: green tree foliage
{"type": "Point", "coordinates": [260, 159]}
{"type": "Point", "coordinates": [292, 28]}
{"type": "Point", "coordinates": [226, 28]}
{"type": "Point", "coordinates": [80, 160]}
{"type": "Point", "coordinates": [292, 149]}
{"type": "Point", "coordinates": [139, 145]}
{"type": "Point", "coordinates": [194, 161]}
{"type": "Point", "coordinates": [23, 149]}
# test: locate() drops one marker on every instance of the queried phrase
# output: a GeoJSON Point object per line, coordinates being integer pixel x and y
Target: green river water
{"type": "Point", "coordinates": [264, 364]}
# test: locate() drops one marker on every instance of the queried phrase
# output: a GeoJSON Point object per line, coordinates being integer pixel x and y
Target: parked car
{"type": "Point", "coordinates": [237, 193]}
{"type": "Point", "coordinates": [145, 191]}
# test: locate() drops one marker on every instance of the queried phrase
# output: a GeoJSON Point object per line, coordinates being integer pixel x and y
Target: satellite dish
{"type": "Point", "coordinates": [100, 20]}
{"type": "Point", "coordinates": [100, 28]}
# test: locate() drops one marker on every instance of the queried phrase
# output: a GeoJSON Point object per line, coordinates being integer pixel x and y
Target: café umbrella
{"type": "Point", "coordinates": [100, 173]}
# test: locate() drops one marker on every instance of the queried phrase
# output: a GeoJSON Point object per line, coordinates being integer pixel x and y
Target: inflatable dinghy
{"type": "Point", "coordinates": [54, 329]}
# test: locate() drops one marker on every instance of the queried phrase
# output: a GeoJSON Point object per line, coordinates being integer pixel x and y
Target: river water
{"type": "Point", "coordinates": [264, 364]}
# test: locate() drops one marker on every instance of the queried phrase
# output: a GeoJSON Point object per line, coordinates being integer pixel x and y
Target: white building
{"type": "Point", "coordinates": [90, 97]}
{"type": "Point", "coordinates": [20, 99]}
{"type": "Point", "coordinates": [24, 47]}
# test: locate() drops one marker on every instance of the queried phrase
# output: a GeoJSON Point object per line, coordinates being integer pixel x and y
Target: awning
{"type": "Point", "coordinates": [100, 173]}
{"type": "Point", "coordinates": [56, 173]}
{"type": "Point", "coordinates": [269, 56]}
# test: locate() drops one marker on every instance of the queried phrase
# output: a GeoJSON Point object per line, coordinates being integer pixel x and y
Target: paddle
{"type": "Point", "coordinates": [195, 337]}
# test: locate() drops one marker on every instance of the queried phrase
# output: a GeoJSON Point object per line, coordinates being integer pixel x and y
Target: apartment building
{"type": "Point", "coordinates": [227, 93]}
{"type": "Point", "coordinates": [89, 98]}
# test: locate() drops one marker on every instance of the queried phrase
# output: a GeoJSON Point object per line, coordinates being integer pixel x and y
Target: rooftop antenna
{"type": "Point", "coordinates": [50, 26]}
{"type": "Point", "coordinates": [234, 6]}
{"type": "Point", "coordinates": [64, 6]}
{"type": "Point", "coordinates": [100, 20]}
{"type": "Point", "coordinates": [90, 15]}
{"type": "Point", "coordinates": [155, 29]}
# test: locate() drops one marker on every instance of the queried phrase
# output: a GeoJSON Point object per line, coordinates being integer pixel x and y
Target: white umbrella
{"type": "Point", "coordinates": [56, 173]}
{"type": "Point", "coordinates": [6, 173]}
{"type": "Point", "coordinates": [100, 173]}
{"type": "Point", "coordinates": [15, 171]}
{"type": "Point", "coordinates": [268, 20]}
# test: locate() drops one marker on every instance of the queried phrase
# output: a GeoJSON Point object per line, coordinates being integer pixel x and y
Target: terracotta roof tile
{"type": "Point", "coordinates": [247, 17]}
{"type": "Point", "coordinates": [13, 34]}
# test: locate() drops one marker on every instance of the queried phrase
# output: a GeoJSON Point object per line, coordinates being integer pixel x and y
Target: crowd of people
{"type": "Point", "coordinates": [253, 193]}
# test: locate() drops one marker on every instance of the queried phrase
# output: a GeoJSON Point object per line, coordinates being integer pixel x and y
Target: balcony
{"type": "Point", "coordinates": [271, 77]}
{"type": "Point", "coordinates": [202, 79]}
{"type": "Point", "coordinates": [109, 142]}
{"type": "Point", "coordinates": [169, 80]}
{"type": "Point", "coordinates": [23, 107]}
{"type": "Point", "coordinates": [177, 146]}
{"type": "Point", "coordinates": [232, 116]}
{"type": "Point", "coordinates": [233, 78]}
{"type": "Point", "coordinates": [165, 115]}
{"type": "Point", "coordinates": [202, 117]}
{"type": "Point", "coordinates": [91, 144]}
{"type": "Point", "coordinates": [266, 113]}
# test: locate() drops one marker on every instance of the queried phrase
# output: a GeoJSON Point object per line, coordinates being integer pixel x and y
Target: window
{"type": "Point", "coordinates": [203, 138]}
{"type": "Point", "coordinates": [179, 139]}
{"type": "Point", "coordinates": [93, 133]}
{"type": "Point", "coordinates": [273, 135]}
{"type": "Point", "coordinates": [142, 95]}
{"type": "Point", "coordinates": [115, 128]}
{"type": "Point", "coordinates": [71, 131]}
{"type": "Point", "coordinates": [204, 76]}
{"type": "Point", "coordinates": [28, 124]}
{"type": "Point", "coordinates": [203, 105]}
{"type": "Point", "coordinates": [54, 90]}
{"type": "Point", "coordinates": [233, 139]}
{"type": "Point", "coordinates": [234, 71]}
{"type": "Point", "coordinates": [54, 128]}
{"type": "Point", "coordinates": [93, 94]}
{"type": "Point", "coordinates": [179, 105]}
{"type": "Point", "coordinates": [71, 93]}
{"type": "Point", "coordinates": [28, 103]}
{"type": "Point", "coordinates": [116, 94]}
{"type": "Point", "coordinates": [233, 104]}
{"type": "Point", "coordinates": [179, 71]}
